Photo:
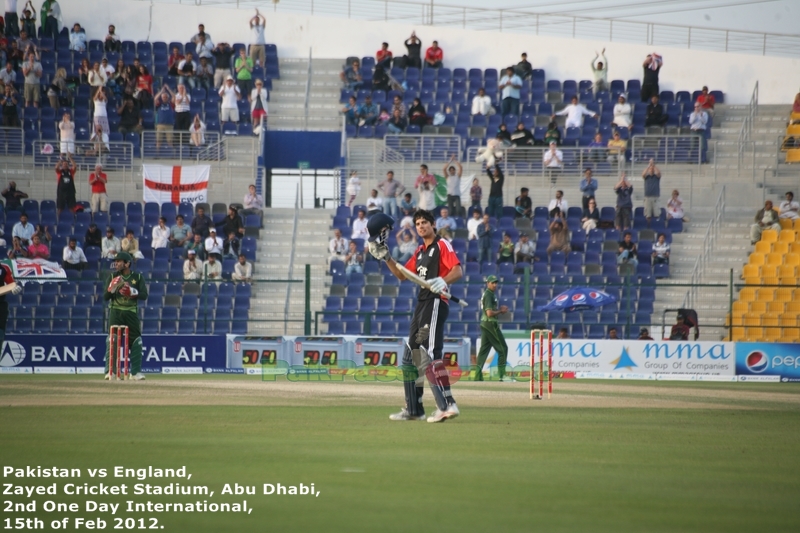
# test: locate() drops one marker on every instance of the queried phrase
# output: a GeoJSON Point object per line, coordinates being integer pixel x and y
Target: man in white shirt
{"type": "Point", "coordinates": [445, 225]}
{"type": "Point", "coordinates": [110, 245]}
{"type": "Point", "coordinates": [622, 113]}
{"type": "Point", "coordinates": [73, 257]}
{"type": "Point", "coordinates": [374, 203]}
{"type": "Point", "coordinates": [192, 267]}
{"type": "Point", "coordinates": [258, 52]}
{"type": "Point", "coordinates": [214, 244]}
{"type": "Point", "coordinates": [242, 271]}
{"type": "Point", "coordinates": [575, 113]}
{"type": "Point", "coordinates": [473, 223]}
{"type": "Point", "coordinates": [108, 69]}
{"type": "Point", "coordinates": [509, 86]}
{"type": "Point", "coordinates": [337, 246]}
{"type": "Point", "coordinates": [558, 202]}
{"type": "Point", "coordinates": [698, 120]}
{"type": "Point", "coordinates": [789, 208]}
{"type": "Point", "coordinates": [553, 158]}
{"type": "Point", "coordinates": [482, 104]}
{"type": "Point", "coordinates": [453, 170]}
{"type": "Point", "coordinates": [212, 269]}
{"type": "Point", "coordinates": [161, 234]}
{"type": "Point", "coordinates": [524, 249]}
{"type": "Point", "coordinates": [23, 230]}
{"type": "Point", "coordinates": [230, 95]}
{"type": "Point", "coordinates": [253, 202]}
{"type": "Point", "coordinates": [360, 226]}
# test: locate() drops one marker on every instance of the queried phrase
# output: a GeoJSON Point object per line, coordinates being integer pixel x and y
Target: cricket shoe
{"type": "Point", "coordinates": [403, 416]}
{"type": "Point", "coordinates": [440, 416]}
{"type": "Point", "coordinates": [137, 377]}
{"type": "Point", "coordinates": [107, 377]}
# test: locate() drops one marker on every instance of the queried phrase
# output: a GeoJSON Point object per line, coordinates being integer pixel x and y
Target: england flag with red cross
{"type": "Point", "coordinates": [163, 184]}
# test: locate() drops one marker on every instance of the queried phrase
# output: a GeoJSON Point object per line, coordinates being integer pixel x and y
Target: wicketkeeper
{"type": "Point", "coordinates": [491, 336]}
{"type": "Point", "coordinates": [124, 290]}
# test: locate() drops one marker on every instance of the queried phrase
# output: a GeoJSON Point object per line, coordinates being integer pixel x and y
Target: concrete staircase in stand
{"type": "Point", "coordinates": [287, 109]}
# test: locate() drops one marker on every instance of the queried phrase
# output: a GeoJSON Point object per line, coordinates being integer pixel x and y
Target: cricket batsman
{"type": "Point", "coordinates": [123, 292]}
{"type": "Point", "coordinates": [491, 336]}
{"type": "Point", "coordinates": [436, 262]}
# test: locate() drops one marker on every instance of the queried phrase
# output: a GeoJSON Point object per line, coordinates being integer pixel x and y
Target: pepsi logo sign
{"type": "Point", "coordinates": [578, 298]}
{"type": "Point", "coordinates": [562, 298]}
{"type": "Point", "coordinates": [594, 295]}
{"type": "Point", "coordinates": [757, 362]}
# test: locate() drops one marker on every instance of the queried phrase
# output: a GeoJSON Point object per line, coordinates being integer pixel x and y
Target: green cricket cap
{"type": "Point", "coordinates": [491, 279]}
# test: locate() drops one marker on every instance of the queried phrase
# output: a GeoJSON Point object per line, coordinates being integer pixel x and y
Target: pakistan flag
{"type": "Point", "coordinates": [440, 192]}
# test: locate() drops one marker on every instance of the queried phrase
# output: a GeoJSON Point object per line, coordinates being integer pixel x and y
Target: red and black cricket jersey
{"type": "Point", "coordinates": [435, 261]}
{"type": "Point", "coordinates": [6, 278]}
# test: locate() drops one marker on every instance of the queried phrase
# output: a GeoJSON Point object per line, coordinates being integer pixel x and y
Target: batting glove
{"type": "Point", "coordinates": [438, 285]}
{"type": "Point", "coordinates": [17, 289]}
{"type": "Point", "coordinates": [378, 251]}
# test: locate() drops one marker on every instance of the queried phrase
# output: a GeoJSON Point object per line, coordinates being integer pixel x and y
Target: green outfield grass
{"type": "Point", "coordinates": [547, 468]}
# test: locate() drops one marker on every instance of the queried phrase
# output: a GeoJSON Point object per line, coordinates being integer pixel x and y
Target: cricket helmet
{"type": "Point", "coordinates": [379, 226]}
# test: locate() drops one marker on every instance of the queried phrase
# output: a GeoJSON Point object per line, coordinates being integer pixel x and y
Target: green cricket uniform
{"type": "Point", "coordinates": [123, 311]}
{"type": "Point", "coordinates": [491, 336]}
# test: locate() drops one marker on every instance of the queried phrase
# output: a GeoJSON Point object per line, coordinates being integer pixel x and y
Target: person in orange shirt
{"type": "Point", "coordinates": [383, 57]}
{"type": "Point", "coordinates": [706, 101]}
{"type": "Point", "coordinates": [434, 56]}
{"type": "Point", "coordinates": [98, 180]}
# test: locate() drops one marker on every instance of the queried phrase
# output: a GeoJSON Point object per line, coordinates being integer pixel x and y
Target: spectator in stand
{"type": "Point", "coordinates": [253, 203]}
{"type": "Point", "coordinates": [504, 135]}
{"type": "Point", "coordinates": [50, 15]}
{"type": "Point", "coordinates": [698, 120]}
{"type": "Point", "coordinates": [473, 223]}
{"type": "Point", "coordinates": [244, 72]}
{"type": "Point", "coordinates": [174, 60]}
{"type": "Point", "coordinates": [368, 112]}
{"type": "Point", "coordinates": [354, 260]}
{"type": "Point", "coordinates": [66, 130]}
{"type": "Point", "coordinates": [523, 205]}
{"type": "Point", "coordinates": [32, 70]}
{"type": "Point", "coordinates": [627, 251]}
{"type": "Point", "coordinates": [597, 149]}
{"type": "Point", "coordinates": [73, 258]}
{"type": "Point", "coordinates": [17, 250]}
{"type": "Point", "coordinates": [554, 158]}
{"type": "Point", "coordinates": [485, 230]}
{"type": "Point", "coordinates": [183, 118]}
{"type": "Point", "coordinates": [99, 142]}
{"type": "Point", "coordinates": [258, 103]}
{"type": "Point", "coordinates": [612, 334]}
{"type": "Point", "coordinates": [623, 114]}
{"type": "Point", "coordinates": [766, 218]}
{"type": "Point", "coordinates": [353, 187]}
{"type": "Point", "coordinates": [588, 187]}
{"type": "Point", "coordinates": [165, 116]}
{"type": "Point", "coordinates": [144, 87]}
{"type": "Point", "coordinates": [575, 113]}
{"type": "Point", "coordinates": [446, 225]}
{"type": "Point", "coordinates": [77, 38]}
{"type": "Point", "coordinates": [351, 76]}
{"type": "Point", "coordinates": [100, 115]}
{"type": "Point", "coordinates": [23, 230]}
{"type": "Point", "coordinates": [453, 171]}
{"type": "Point", "coordinates": [11, 19]}
{"type": "Point", "coordinates": [624, 207]}
{"type": "Point", "coordinates": [13, 197]}
{"type": "Point", "coordinates": [9, 103]}
{"type": "Point", "coordinates": [434, 56]}
{"type": "Point", "coordinates": [558, 205]}
{"type": "Point", "coordinates": [204, 75]}
{"type": "Point", "coordinates": [399, 106]}
{"type": "Point", "coordinates": [661, 250]}
{"type": "Point", "coordinates": [198, 247]}
{"type": "Point", "coordinates": [706, 101]}
{"type": "Point", "coordinates": [230, 94]}
{"type": "Point", "coordinates": [186, 71]}
{"type": "Point", "coordinates": [212, 268]}
{"type": "Point", "coordinates": [180, 235]}
{"type": "Point", "coordinates": [495, 206]}
{"type": "Point", "coordinates": [652, 190]}
{"type": "Point", "coordinates": [522, 136]}
{"type": "Point", "coordinates": [523, 69]}
{"type": "Point", "coordinates": [197, 132]}
{"type": "Point", "coordinates": [616, 148]}
{"type": "Point", "coordinates": [214, 245]}
{"type": "Point", "coordinates": [652, 67]}
{"type": "Point", "coordinates": [553, 134]}
{"type": "Point", "coordinates": [201, 224]}
{"type": "Point", "coordinates": [28, 21]}
{"type": "Point", "coordinates": [242, 270]}
{"type": "Point", "coordinates": [408, 206]}
{"type": "Point", "coordinates": [505, 252]}
{"type": "Point", "coordinates": [130, 244]}
{"type": "Point", "coordinates": [417, 114]}
{"type": "Point", "coordinates": [350, 111]}
{"type": "Point", "coordinates": [112, 41]}
{"type": "Point", "coordinates": [600, 72]}
{"type": "Point", "coordinates": [413, 51]}
{"type": "Point", "coordinates": [360, 226]}
{"type": "Point", "coordinates": [98, 180]}
{"type": "Point", "coordinates": [509, 87]}
{"type": "Point", "coordinates": [222, 60]}
{"type": "Point", "coordinates": [789, 208]}
{"type": "Point", "coordinates": [559, 236]}
{"type": "Point", "coordinates": [191, 266]}
{"type": "Point", "coordinates": [233, 223]}
{"type": "Point", "coordinates": [591, 216]}
{"type": "Point", "coordinates": [44, 234]}
{"type": "Point", "coordinates": [644, 335]}
{"type": "Point", "coordinates": [161, 234]}
{"type": "Point", "coordinates": [337, 246]}
{"type": "Point", "coordinates": [258, 50]}
{"type": "Point", "coordinates": [231, 246]}
{"type": "Point", "coordinates": [391, 189]}
{"type": "Point", "coordinates": [38, 250]}
{"type": "Point", "coordinates": [425, 184]}
{"type": "Point", "coordinates": [14, 55]}
{"type": "Point", "coordinates": [97, 78]}
{"type": "Point", "coordinates": [111, 245]}
{"type": "Point", "coordinates": [201, 34]}
{"type": "Point", "coordinates": [675, 206]}
{"type": "Point", "coordinates": [109, 71]}
{"type": "Point", "coordinates": [655, 113]}
{"type": "Point", "coordinates": [58, 86]}
{"type": "Point", "coordinates": [406, 246]}
{"type": "Point", "coordinates": [8, 75]}
{"type": "Point", "coordinates": [524, 249]}
{"type": "Point", "coordinates": [93, 237]}
{"type": "Point", "coordinates": [204, 47]}
{"type": "Point", "coordinates": [482, 104]}
{"type": "Point", "coordinates": [65, 195]}
{"type": "Point", "coordinates": [383, 57]}
{"type": "Point", "coordinates": [398, 123]}
{"type": "Point", "coordinates": [680, 331]}
{"type": "Point", "coordinates": [374, 203]}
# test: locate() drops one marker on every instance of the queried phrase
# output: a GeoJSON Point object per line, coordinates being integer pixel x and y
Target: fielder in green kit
{"type": "Point", "coordinates": [491, 336]}
{"type": "Point", "coordinates": [123, 291]}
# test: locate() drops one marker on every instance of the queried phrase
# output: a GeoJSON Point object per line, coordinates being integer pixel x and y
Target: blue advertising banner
{"type": "Point", "coordinates": [85, 353]}
{"type": "Point", "coordinates": [762, 361]}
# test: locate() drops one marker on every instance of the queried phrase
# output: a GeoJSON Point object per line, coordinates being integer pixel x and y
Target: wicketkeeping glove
{"type": "Point", "coordinates": [378, 250]}
{"type": "Point", "coordinates": [128, 291]}
{"type": "Point", "coordinates": [115, 284]}
{"type": "Point", "coordinates": [438, 285]}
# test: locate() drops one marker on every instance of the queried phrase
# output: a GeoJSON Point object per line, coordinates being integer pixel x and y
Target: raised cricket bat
{"type": "Point", "coordinates": [5, 289]}
{"type": "Point", "coordinates": [411, 276]}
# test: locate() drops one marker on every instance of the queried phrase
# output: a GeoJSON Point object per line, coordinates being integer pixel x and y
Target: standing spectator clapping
{"type": "Point", "coordinates": [98, 180]}
{"type": "Point", "coordinates": [258, 105]}
{"type": "Point", "coordinates": [258, 50]}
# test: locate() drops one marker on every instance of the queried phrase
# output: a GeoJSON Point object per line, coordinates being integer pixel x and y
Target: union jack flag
{"type": "Point", "coordinates": [35, 270]}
